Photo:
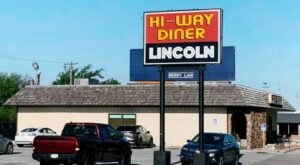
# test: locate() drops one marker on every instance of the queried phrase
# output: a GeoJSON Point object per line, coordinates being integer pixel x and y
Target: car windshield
{"type": "Point", "coordinates": [127, 128]}
{"type": "Point", "coordinates": [29, 130]}
{"type": "Point", "coordinates": [215, 139]}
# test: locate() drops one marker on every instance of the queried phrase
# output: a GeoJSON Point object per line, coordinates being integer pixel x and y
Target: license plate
{"type": "Point", "coordinates": [54, 156]}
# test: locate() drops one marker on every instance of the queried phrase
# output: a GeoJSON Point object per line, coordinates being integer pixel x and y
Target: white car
{"type": "Point", "coordinates": [26, 136]}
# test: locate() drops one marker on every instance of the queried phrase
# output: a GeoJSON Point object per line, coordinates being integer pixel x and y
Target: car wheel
{"type": "Point", "coordinates": [139, 143]}
{"type": "Point", "coordinates": [20, 145]}
{"type": "Point", "coordinates": [126, 159]}
{"type": "Point", "coordinates": [221, 160]}
{"type": "Point", "coordinates": [236, 159]}
{"type": "Point", "coordinates": [9, 149]}
{"type": "Point", "coordinates": [150, 145]}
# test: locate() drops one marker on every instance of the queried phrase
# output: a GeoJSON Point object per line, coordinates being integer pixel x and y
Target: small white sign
{"type": "Point", "coordinates": [181, 75]}
{"type": "Point", "coordinates": [263, 127]}
{"type": "Point", "coordinates": [215, 121]}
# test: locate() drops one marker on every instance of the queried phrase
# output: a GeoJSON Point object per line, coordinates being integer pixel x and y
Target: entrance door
{"type": "Point", "coordinates": [122, 119]}
{"type": "Point", "coordinates": [239, 125]}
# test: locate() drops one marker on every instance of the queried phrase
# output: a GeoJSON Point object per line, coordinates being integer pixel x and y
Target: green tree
{"type": "Point", "coordinates": [10, 84]}
{"type": "Point", "coordinates": [8, 114]}
{"type": "Point", "coordinates": [110, 82]}
{"type": "Point", "coordinates": [63, 78]}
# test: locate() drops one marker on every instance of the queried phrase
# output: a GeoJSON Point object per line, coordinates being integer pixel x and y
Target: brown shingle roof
{"type": "Point", "coordinates": [141, 95]}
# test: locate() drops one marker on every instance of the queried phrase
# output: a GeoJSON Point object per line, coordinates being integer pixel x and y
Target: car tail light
{"type": "Point", "coordinates": [76, 146]}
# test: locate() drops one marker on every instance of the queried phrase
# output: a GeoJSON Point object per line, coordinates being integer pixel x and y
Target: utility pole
{"type": "Point", "coordinates": [71, 70]}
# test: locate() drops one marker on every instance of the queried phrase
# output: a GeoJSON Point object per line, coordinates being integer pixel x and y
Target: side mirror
{"type": "Point", "coordinates": [188, 140]}
{"type": "Point", "coordinates": [148, 132]}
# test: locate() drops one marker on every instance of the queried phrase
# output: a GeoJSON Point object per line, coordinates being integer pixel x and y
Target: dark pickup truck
{"type": "Point", "coordinates": [82, 144]}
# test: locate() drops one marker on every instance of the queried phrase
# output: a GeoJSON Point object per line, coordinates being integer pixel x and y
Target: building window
{"type": "Point", "coordinates": [121, 119]}
{"type": "Point", "coordinates": [283, 129]}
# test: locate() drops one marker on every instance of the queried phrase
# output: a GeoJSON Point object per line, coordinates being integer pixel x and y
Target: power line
{"type": "Point", "coordinates": [30, 60]}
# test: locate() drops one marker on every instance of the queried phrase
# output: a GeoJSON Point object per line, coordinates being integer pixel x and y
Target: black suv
{"type": "Point", "coordinates": [137, 135]}
{"type": "Point", "coordinates": [220, 148]}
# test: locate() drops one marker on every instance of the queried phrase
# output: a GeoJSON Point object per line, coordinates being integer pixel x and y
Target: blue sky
{"type": "Point", "coordinates": [52, 32]}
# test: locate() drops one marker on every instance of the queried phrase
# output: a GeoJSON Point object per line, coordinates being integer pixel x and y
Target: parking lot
{"type": "Point", "coordinates": [22, 156]}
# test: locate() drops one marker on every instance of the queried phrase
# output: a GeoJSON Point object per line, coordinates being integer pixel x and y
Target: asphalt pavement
{"type": "Point", "coordinates": [22, 156]}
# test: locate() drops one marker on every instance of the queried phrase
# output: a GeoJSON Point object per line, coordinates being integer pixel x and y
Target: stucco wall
{"type": "Point", "coordinates": [181, 123]}
{"type": "Point", "coordinates": [55, 118]}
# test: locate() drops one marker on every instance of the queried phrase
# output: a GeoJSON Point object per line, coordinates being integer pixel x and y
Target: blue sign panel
{"type": "Point", "coordinates": [219, 72]}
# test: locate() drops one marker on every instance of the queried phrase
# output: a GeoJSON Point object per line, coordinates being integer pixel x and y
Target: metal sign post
{"type": "Point", "coordinates": [200, 158]}
{"type": "Point", "coordinates": [263, 128]}
{"type": "Point", "coordinates": [162, 109]}
{"type": "Point", "coordinates": [162, 157]}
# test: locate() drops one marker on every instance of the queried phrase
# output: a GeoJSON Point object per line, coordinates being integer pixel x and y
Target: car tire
{"type": "Point", "coordinates": [139, 143]}
{"type": "Point", "coordinates": [126, 159]}
{"type": "Point", "coordinates": [185, 163]}
{"type": "Point", "coordinates": [236, 159]}
{"type": "Point", "coordinates": [43, 162]}
{"type": "Point", "coordinates": [150, 145]}
{"type": "Point", "coordinates": [9, 149]}
{"type": "Point", "coordinates": [221, 160]}
{"type": "Point", "coordinates": [89, 159]}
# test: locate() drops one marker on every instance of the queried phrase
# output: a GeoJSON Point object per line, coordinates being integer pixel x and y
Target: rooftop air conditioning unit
{"type": "Point", "coordinates": [81, 81]}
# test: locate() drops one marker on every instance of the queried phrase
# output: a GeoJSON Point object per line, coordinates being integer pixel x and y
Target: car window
{"type": "Point", "coordinates": [42, 131]}
{"type": "Point", "coordinates": [231, 138]}
{"type": "Point", "coordinates": [112, 131]}
{"type": "Point", "coordinates": [144, 130]}
{"type": "Point", "coordinates": [140, 130]}
{"type": "Point", "coordinates": [104, 133]}
{"type": "Point", "coordinates": [226, 140]}
{"type": "Point", "coordinates": [29, 130]}
{"type": "Point", "coordinates": [79, 130]}
{"type": "Point", "coordinates": [50, 131]}
{"type": "Point", "coordinates": [216, 139]}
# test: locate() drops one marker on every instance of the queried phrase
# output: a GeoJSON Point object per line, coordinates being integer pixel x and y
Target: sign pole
{"type": "Point", "coordinates": [162, 109]}
{"type": "Point", "coordinates": [162, 157]}
{"type": "Point", "coordinates": [200, 158]}
{"type": "Point", "coordinates": [201, 107]}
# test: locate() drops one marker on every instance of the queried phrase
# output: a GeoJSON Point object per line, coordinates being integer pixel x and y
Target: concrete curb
{"type": "Point", "coordinates": [261, 150]}
{"type": "Point", "coordinates": [291, 149]}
